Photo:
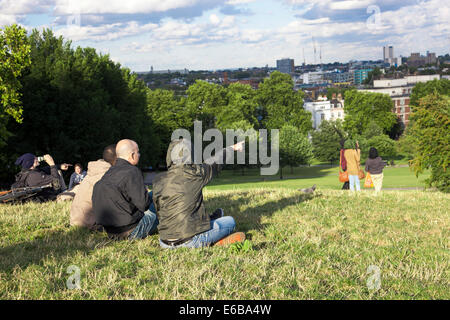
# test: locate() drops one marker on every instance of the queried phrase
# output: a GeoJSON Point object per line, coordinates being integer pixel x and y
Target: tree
{"type": "Point", "coordinates": [76, 102]}
{"type": "Point", "coordinates": [326, 140]}
{"type": "Point", "coordinates": [423, 89]}
{"type": "Point", "coordinates": [14, 58]}
{"type": "Point", "coordinates": [204, 101]}
{"type": "Point", "coordinates": [361, 108]}
{"type": "Point", "coordinates": [295, 148]}
{"type": "Point", "coordinates": [282, 104]}
{"type": "Point", "coordinates": [430, 133]}
{"type": "Point", "coordinates": [240, 106]}
{"type": "Point", "coordinates": [168, 114]}
{"type": "Point", "coordinates": [372, 130]}
{"type": "Point", "coordinates": [384, 145]}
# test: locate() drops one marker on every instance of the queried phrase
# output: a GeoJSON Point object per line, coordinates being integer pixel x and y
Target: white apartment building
{"type": "Point", "coordinates": [323, 109]}
{"type": "Point", "coordinates": [313, 77]}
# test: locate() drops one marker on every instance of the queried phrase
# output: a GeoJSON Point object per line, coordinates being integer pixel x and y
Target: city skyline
{"type": "Point", "coordinates": [230, 34]}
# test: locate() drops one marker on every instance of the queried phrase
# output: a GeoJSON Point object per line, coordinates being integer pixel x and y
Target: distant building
{"type": "Point", "coordinates": [339, 77]}
{"type": "Point", "coordinates": [324, 109]}
{"type": "Point", "coordinates": [388, 54]}
{"type": "Point", "coordinates": [359, 75]}
{"type": "Point", "coordinates": [313, 77]}
{"type": "Point", "coordinates": [400, 92]}
{"type": "Point", "coordinates": [286, 65]}
{"type": "Point", "coordinates": [253, 82]}
{"type": "Point", "coordinates": [181, 71]}
{"type": "Point", "coordinates": [417, 60]}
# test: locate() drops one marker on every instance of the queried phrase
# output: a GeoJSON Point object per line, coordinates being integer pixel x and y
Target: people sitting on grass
{"type": "Point", "coordinates": [77, 176]}
{"type": "Point", "coordinates": [178, 199]}
{"type": "Point", "coordinates": [81, 212]}
{"type": "Point", "coordinates": [352, 156]}
{"type": "Point", "coordinates": [120, 200]}
{"type": "Point", "coordinates": [375, 165]}
{"type": "Point", "coordinates": [32, 175]}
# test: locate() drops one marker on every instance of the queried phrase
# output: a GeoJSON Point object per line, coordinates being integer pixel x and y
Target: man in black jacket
{"type": "Point", "coordinates": [120, 199]}
{"type": "Point", "coordinates": [33, 176]}
{"type": "Point", "coordinates": [178, 199]}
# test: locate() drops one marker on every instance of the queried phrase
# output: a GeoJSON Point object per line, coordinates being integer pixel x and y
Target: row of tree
{"type": "Point", "coordinates": [71, 103]}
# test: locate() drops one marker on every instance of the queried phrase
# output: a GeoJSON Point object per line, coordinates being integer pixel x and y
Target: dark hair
{"type": "Point", "coordinates": [373, 153]}
{"type": "Point", "coordinates": [109, 154]}
{"type": "Point", "coordinates": [78, 165]}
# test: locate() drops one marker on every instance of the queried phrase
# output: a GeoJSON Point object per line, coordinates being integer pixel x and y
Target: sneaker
{"type": "Point", "coordinates": [216, 214]}
{"type": "Point", "coordinates": [232, 238]}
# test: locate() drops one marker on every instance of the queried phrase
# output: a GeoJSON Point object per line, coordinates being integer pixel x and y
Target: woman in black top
{"type": "Point", "coordinates": [375, 165]}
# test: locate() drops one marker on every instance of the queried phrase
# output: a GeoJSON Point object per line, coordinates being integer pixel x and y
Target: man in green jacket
{"type": "Point", "coordinates": [178, 199]}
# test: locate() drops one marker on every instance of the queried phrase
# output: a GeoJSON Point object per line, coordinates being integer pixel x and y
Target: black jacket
{"type": "Point", "coordinates": [178, 197]}
{"type": "Point", "coordinates": [39, 177]}
{"type": "Point", "coordinates": [120, 198]}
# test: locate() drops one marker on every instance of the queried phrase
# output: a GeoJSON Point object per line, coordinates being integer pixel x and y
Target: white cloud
{"type": "Point", "coordinates": [237, 2]}
{"type": "Point", "coordinates": [350, 4]}
{"type": "Point", "coordinates": [104, 32]}
{"type": "Point", "coordinates": [7, 19]}
{"type": "Point", "coordinates": [214, 19]}
{"type": "Point", "coordinates": [119, 6]}
{"type": "Point", "coordinates": [25, 6]}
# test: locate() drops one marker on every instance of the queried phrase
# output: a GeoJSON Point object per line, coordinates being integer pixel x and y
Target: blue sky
{"type": "Point", "coordinates": [218, 34]}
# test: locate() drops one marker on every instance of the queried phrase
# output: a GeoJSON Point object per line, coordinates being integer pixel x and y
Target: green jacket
{"type": "Point", "coordinates": [178, 197]}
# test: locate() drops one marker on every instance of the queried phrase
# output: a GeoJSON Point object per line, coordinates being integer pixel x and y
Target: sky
{"type": "Point", "coordinates": [221, 34]}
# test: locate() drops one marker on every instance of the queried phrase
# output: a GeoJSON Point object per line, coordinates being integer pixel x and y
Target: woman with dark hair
{"type": "Point", "coordinates": [77, 176]}
{"type": "Point", "coordinates": [375, 165]}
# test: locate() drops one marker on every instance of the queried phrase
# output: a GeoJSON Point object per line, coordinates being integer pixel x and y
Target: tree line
{"type": "Point", "coordinates": [72, 102]}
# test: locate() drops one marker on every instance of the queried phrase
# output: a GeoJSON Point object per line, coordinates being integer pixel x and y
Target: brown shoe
{"type": "Point", "coordinates": [232, 238]}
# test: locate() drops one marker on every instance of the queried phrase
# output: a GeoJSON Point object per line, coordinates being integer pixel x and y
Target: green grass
{"type": "Point", "coordinates": [302, 177]}
{"type": "Point", "coordinates": [302, 247]}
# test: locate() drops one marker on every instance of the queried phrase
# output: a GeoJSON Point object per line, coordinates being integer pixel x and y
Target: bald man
{"type": "Point", "coordinates": [120, 200]}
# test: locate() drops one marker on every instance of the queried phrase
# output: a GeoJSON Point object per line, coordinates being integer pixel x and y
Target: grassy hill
{"type": "Point", "coordinates": [326, 246]}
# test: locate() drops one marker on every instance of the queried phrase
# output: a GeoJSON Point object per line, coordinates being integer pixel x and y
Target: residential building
{"type": "Point", "coordinates": [338, 76]}
{"type": "Point", "coordinates": [359, 75]}
{"type": "Point", "coordinates": [324, 109]}
{"type": "Point", "coordinates": [417, 60]}
{"type": "Point", "coordinates": [400, 92]}
{"type": "Point", "coordinates": [316, 77]}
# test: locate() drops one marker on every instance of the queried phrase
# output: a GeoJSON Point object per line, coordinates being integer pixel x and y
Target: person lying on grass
{"type": "Point", "coordinates": [32, 175]}
{"type": "Point", "coordinates": [178, 199]}
{"type": "Point", "coordinates": [120, 200]}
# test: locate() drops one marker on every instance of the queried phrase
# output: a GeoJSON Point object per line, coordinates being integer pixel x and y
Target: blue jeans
{"type": "Point", "coordinates": [147, 225]}
{"type": "Point", "coordinates": [220, 228]}
{"type": "Point", "coordinates": [354, 181]}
